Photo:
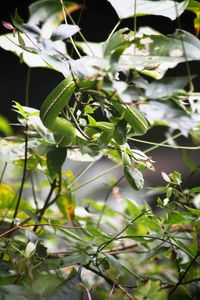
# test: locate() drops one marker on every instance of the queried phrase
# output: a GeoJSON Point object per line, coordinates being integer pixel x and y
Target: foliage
{"type": "Point", "coordinates": [112, 92]}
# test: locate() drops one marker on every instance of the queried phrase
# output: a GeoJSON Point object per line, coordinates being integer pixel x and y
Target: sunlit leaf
{"type": "Point", "coordinates": [165, 8]}
{"type": "Point", "coordinates": [64, 31]}
{"type": "Point", "coordinates": [49, 14]}
{"type": "Point", "coordinates": [155, 54]}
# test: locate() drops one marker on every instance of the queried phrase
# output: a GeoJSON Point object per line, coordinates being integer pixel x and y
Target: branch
{"type": "Point", "coordinates": [23, 176]}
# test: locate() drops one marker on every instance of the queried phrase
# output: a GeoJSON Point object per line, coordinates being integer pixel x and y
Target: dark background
{"type": "Point", "coordinates": [97, 21]}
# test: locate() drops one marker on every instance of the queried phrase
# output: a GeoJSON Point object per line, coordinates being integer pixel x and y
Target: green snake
{"type": "Point", "coordinates": [64, 131]}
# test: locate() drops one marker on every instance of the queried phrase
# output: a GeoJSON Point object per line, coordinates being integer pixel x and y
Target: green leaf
{"type": "Point", "coordinates": [194, 190]}
{"type": "Point", "coordinates": [195, 212]}
{"type": "Point", "coordinates": [117, 40]}
{"type": "Point", "coordinates": [10, 43]}
{"type": "Point", "coordinates": [49, 14]}
{"type": "Point", "coordinates": [156, 53]}
{"type": "Point", "coordinates": [17, 20]}
{"type": "Point", "coordinates": [69, 289]}
{"type": "Point", "coordinates": [55, 160]}
{"type": "Point", "coordinates": [45, 284]}
{"type": "Point", "coordinates": [150, 291]}
{"type": "Point", "coordinates": [148, 7]}
{"type": "Point", "coordinates": [176, 218]}
{"type": "Point", "coordinates": [134, 177]}
{"type": "Point", "coordinates": [96, 232]}
{"type": "Point", "coordinates": [176, 177]}
{"type": "Point", "coordinates": [64, 31]}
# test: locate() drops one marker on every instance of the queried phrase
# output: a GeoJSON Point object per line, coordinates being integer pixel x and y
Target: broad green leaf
{"type": "Point", "coordinates": [195, 212]}
{"type": "Point", "coordinates": [69, 289]}
{"type": "Point", "coordinates": [117, 40]}
{"type": "Point", "coordinates": [151, 290]}
{"type": "Point", "coordinates": [45, 284]}
{"type": "Point", "coordinates": [194, 190]}
{"type": "Point", "coordinates": [64, 31]}
{"type": "Point", "coordinates": [165, 8]}
{"type": "Point", "coordinates": [55, 160]}
{"type": "Point", "coordinates": [177, 218]}
{"type": "Point", "coordinates": [49, 14]}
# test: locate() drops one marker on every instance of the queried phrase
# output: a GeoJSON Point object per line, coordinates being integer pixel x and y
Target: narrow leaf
{"type": "Point", "coordinates": [55, 160]}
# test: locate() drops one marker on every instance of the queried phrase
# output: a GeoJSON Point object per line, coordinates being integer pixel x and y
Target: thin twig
{"type": "Point", "coordinates": [164, 145]}
{"type": "Point", "coordinates": [3, 171]}
{"type": "Point", "coordinates": [71, 39]}
{"type": "Point", "coordinates": [184, 274]}
{"type": "Point", "coordinates": [33, 191]}
{"type": "Point", "coordinates": [106, 200]}
{"type": "Point", "coordinates": [96, 177]}
{"type": "Point", "coordinates": [27, 87]}
{"type": "Point", "coordinates": [87, 291]}
{"type": "Point", "coordinates": [23, 175]}
{"type": "Point", "coordinates": [105, 244]}
{"type": "Point", "coordinates": [38, 224]}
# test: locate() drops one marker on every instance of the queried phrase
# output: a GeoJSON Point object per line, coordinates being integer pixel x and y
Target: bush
{"type": "Point", "coordinates": [57, 244]}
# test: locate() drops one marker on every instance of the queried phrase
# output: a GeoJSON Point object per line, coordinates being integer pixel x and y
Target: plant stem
{"type": "Point", "coordinates": [164, 145]}
{"type": "Point", "coordinates": [23, 176]}
{"type": "Point", "coordinates": [108, 280]}
{"type": "Point", "coordinates": [112, 32]}
{"type": "Point", "coordinates": [33, 191]}
{"type": "Point", "coordinates": [96, 177]}
{"type": "Point", "coordinates": [105, 244]}
{"type": "Point", "coordinates": [81, 174]}
{"type": "Point", "coordinates": [45, 206]}
{"type": "Point", "coordinates": [3, 172]}
{"type": "Point", "coordinates": [184, 274]}
{"type": "Point", "coordinates": [106, 199]}
{"type": "Point", "coordinates": [71, 39]}
{"type": "Point", "coordinates": [27, 86]}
